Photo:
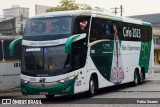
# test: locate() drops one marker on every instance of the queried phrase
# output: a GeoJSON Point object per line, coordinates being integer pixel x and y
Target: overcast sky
{"type": "Point", "coordinates": [131, 7]}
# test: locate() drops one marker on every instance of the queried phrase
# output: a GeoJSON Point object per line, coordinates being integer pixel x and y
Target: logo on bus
{"type": "Point", "coordinates": [135, 33]}
{"type": "Point", "coordinates": [42, 80]}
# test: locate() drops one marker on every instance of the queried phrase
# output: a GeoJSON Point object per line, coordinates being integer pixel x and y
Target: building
{"type": "Point", "coordinates": [41, 9]}
{"type": "Point", "coordinates": [155, 20]}
{"type": "Point", "coordinates": [16, 11]}
{"type": "Point", "coordinates": [13, 20]}
{"type": "Point", "coordinates": [7, 27]}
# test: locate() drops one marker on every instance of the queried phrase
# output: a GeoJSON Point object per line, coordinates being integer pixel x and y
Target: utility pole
{"type": "Point", "coordinates": [116, 10]}
{"type": "Point", "coordinates": [121, 8]}
{"type": "Point", "coordinates": [36, 9]}
{"type": "Point", "coordinates": [21, 25]}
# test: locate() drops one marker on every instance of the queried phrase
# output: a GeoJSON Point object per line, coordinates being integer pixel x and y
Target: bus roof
{"type": "Point", "coordinates": [64, 13]}
{"type": "Point", "coordinates": [93, 13]}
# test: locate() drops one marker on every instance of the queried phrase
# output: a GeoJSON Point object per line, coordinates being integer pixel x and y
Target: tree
{"type": "Point", "coordinates": [67, 5]}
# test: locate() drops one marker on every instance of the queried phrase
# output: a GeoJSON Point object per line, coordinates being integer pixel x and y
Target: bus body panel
{"type": "Point", "coordinates": [113, 59]}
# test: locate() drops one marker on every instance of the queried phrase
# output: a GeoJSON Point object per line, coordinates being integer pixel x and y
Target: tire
{"type": "Point", "coordinates": [50, 97]}
{"type": "Point", "coordinates": [142, 77]}
{"type": "Point", "coordinates": [92, 87]}
{"type": "Point", "coordinates": [136, 78]}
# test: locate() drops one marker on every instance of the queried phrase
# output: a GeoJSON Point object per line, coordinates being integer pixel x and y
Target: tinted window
{"type": "Point", "coordinates": [46, 59]}
{"type": "Point", "coordinates": [101, 29]}
{"type": "Point", "coordinates": [104, 29]}
{"type": "Point", "coordinates": [48, 26]}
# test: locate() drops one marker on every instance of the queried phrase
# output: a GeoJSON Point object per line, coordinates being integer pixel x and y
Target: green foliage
{"type": "Point", "coordinates": [88, 8]}
{"type": "Point", "coordinates": [67, 5]}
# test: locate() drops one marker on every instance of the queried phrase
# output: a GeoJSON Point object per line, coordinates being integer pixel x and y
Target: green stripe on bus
{"type": "Point", "coordinates": [145, 55]}
{"type": "Point", "coordinates": [146, 24]}
{"type": "Point", "coordinates": [102, 55]}
{"type": "Point", "coordinates": [68, 44]}
{"type": "Point", "coordinates": [116, 19]}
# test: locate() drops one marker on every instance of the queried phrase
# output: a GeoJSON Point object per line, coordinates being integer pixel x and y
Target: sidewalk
{"type": "Point", "coordinates": [157, 68]}
{"type": "Point", "coordinates": [10, 93]}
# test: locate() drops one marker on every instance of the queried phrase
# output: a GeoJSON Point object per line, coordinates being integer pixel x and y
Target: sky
{"type": "Point", "coordinates": [131, 7]}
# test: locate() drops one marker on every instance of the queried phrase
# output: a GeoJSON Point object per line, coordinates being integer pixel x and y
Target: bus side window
{"type": "Point", "coordinates": [79, 53]}
{"type": "Point", "coordinates": [95, 29]}
{"type": "Point", "coordinates": [149, 32]}
{"type": "Point", "coordinates": [82, 25]}
{"type": "Point", "coordinates": [107, 32]}
{"type": "Point", "coordinates": [101, 29]}
{"type": "Point", "coordinates": [144, 36]}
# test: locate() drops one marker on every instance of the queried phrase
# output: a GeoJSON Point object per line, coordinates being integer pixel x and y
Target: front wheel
{"type": "Point", "coordinates": [92, 87]}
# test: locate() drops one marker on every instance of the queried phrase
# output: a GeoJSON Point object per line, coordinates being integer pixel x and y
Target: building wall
{"type": "Point", "coordinates": [19, 14]}
{"type": "Point", "coordinates": [16, 12]}
{"type": "Point", "coordinates": [41, 9]}
{"type": "Point", "coordinates": [7, 27]}
{"type": "Point", "coordinates": [156, 39]}
{"type": "Point", "coordinates": [156, 56]}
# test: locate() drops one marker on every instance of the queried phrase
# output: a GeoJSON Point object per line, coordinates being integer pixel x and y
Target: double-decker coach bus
{"type": "Point", "coordinates": [9, 65]}
{"type": "Point", "coordinates": [81, 51]}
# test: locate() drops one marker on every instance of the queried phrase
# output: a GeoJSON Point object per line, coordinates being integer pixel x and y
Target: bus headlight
{"type": "Point", "coordinates": [67, 79]}
{"type": "Point", "coordinates": [24, 81]}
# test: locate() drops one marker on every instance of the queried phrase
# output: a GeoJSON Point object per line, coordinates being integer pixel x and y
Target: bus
{"type": "Point", "coordinates": [9, 65]}
{"type": "Point", "coordinates": [70, 52]}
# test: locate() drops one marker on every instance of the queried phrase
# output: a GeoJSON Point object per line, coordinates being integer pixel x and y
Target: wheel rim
{"type": "Point", "coordinates": [92, 86]}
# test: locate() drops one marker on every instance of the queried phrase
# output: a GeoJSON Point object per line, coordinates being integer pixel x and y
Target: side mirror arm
{"type": "Point", "coordinates": [68, 44]}
{"type": "Point", "coordinates": [71, 39]}
{"type": "Point", "coordinates": [12, 45]}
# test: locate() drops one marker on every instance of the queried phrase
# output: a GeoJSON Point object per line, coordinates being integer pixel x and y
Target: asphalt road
{"type": "Point", "coordinates": [147, 93]}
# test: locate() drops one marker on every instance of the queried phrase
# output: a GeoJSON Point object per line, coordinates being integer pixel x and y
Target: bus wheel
{"type": "Point", "coordinates": [142, 76]}
{"type": "Point", "coordinates": [92, 87]}
{"type": "Point", "coordinates": [136, 78]}
{"type": "Point", "coordinates": [50, 97]}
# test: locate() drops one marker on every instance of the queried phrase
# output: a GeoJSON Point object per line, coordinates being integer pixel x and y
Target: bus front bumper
{"type": "Point", "coordinates": [61, 88]}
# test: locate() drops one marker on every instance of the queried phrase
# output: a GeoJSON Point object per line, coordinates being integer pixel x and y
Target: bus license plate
{"type": "Point", "coordinates": [43, 93]}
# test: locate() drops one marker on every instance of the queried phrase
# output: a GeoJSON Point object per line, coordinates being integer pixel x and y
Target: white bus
{"type": "Point", "coordinates": [9, 65]}
{"type": "Point", "coordinates": [81, 51]}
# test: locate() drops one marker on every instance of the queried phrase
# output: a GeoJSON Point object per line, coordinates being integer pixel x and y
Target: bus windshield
{"type": "Point", "coordinates": [48, 26]}
{"type": "Point", "coordinates": [46, 59]}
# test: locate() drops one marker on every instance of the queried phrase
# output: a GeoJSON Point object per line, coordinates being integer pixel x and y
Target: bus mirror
{"type": "Point", "coordinates": [69, 41]}
{"type": "Point", "coordinates": [12, 44]}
